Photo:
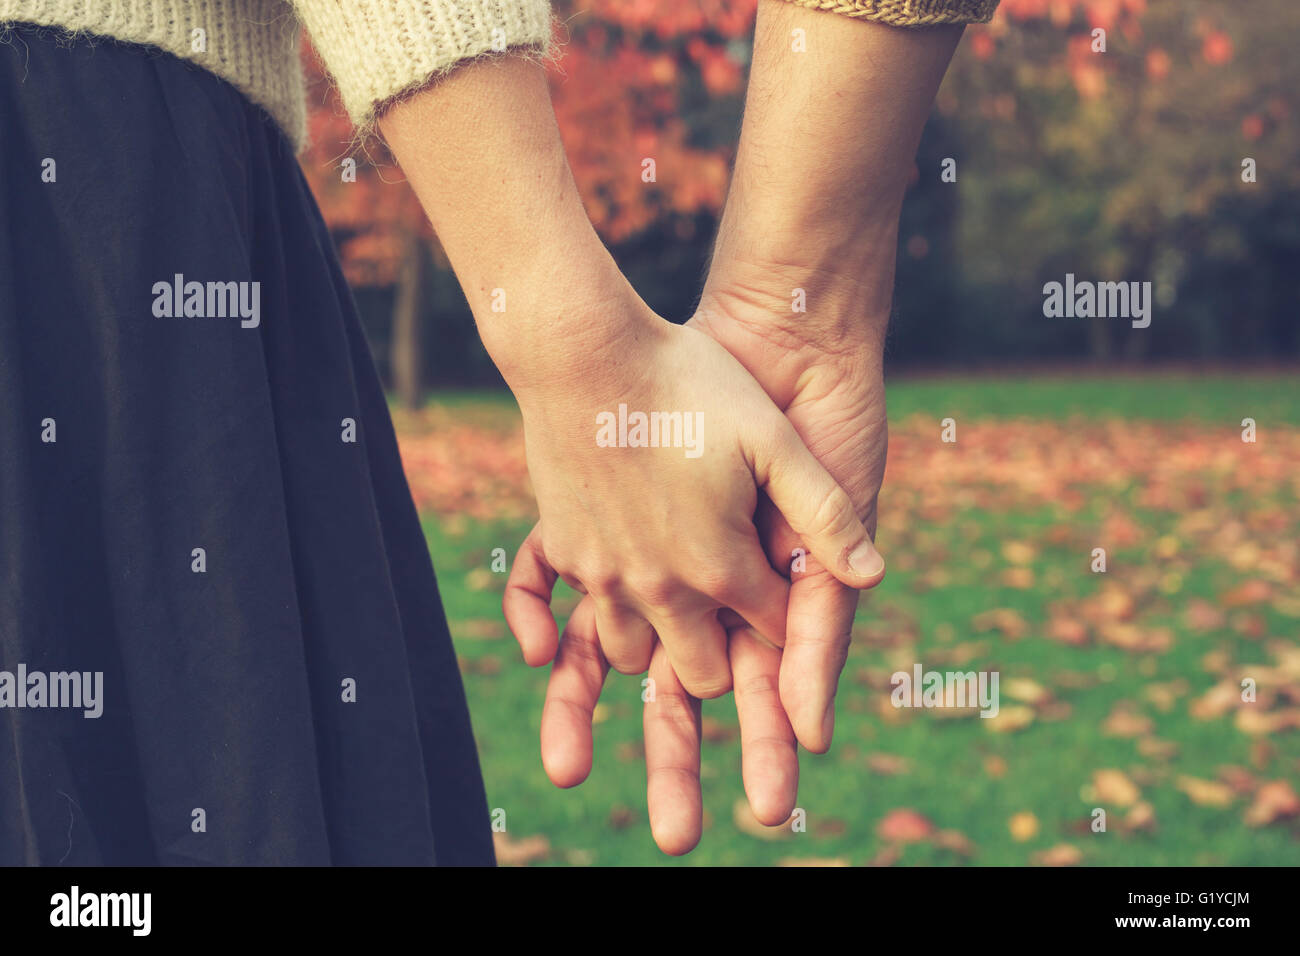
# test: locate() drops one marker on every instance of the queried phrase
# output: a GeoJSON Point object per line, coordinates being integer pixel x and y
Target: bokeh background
{"type": "Point", "coordinates": [1120, 690]}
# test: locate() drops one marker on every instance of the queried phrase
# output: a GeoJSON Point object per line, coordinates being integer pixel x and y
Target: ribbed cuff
{"type": "Point", "coordinates": [377, 50]}
{"type": "Point", "coordinates": [908, 13]}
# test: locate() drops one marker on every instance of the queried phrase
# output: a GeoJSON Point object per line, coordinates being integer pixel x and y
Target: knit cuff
{"type": "Point", "coordinates": [378, 50]}
{"type": "Point", "coordinates": [908, 13]}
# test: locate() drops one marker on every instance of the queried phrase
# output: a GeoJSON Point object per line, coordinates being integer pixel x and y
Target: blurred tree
{"type": "Point", "coordinates": [383, 236]}
{"type": "Point", "coordinates": [1117, 165]}
{"type": "Point", "coordinates": [1127, 164]}
{"type": "Point", "coordinates": [648, 98]}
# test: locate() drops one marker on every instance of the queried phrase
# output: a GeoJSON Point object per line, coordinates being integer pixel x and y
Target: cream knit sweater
{"type": "Point", "coordinates": [376, 50]}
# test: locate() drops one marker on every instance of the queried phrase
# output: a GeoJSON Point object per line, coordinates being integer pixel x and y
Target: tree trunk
{"type": "Point", "coordinates": [404, 345]}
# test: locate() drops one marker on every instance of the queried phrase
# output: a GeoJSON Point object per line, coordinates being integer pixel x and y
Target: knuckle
{"type": "Point", "coordinates": [833, 514]}
{"type": "Point", "coordinates": [579, 650]}
{"type": "Point", "coordinates": [598, 577]}
{"type": "Point", "coordinates": [759, 686]}
{"type": "Point", "coordinates": [673, 707]}
{"type": "Point", "coordinates": [708, 686]}
{"type": "Point", "coordinates": [629, 656]}
{"type": "Point", "coordinates": [656, 588]}
{"type": "Point", "coordinates": [722, 581]}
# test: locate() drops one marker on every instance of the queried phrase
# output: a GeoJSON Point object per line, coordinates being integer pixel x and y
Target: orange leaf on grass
{"type": "Point", "coordinates": [512, 852]}
{"type": "Point", "coordinates": [1206, 793]}
{"type": "Point", "coordinates": [1023, 826]}
{"type": "Point", "coordinates": [1063, 854]}
{"type": "Point", "coordinates": [1274, 801]}
{"type": "Point", "coordinates": [904, 826]}
{"type": "Point", "coordinates": [1115, 786]}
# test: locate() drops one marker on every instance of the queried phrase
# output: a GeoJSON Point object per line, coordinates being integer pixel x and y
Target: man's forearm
{"type": "Point", "coordinates": [832, 121]}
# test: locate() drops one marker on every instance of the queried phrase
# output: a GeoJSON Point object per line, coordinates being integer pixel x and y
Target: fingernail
{"type": "Point", "coordinates": [866, 560]}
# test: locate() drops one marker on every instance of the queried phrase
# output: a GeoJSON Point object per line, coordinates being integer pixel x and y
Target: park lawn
{"type": "Point", "coordinates": [1200, 590]}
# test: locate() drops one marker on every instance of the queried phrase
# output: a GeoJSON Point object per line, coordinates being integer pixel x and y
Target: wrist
{"type": "Point", "coordinates": [483, 153]}
{"type": "Point", "coordinates": [572, 327]}
{"type": "Point", "coordinates": [817, 298]}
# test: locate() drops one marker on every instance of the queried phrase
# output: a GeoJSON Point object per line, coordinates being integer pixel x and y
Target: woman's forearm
{"type": "Point", "coordinates": [482, 150]}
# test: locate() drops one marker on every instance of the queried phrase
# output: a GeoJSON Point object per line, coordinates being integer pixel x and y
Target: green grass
{"type": "Point", "coordinates": [1211, 397]}
{"type": "Point", "coordinates": [1048, 764]}
{"type": "Point", "coordinates": [1214, 396]}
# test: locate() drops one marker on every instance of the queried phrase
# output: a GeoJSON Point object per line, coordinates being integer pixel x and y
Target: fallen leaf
{"type": "Point", "coordinates": [813, 861]}
{"type": "Point", "coordinates": [1165, 695]}
{"type": "Point", "coordinates": [1010, 719]}
{"type": "Point", "coordinates": [1206, 793]}
{"type": "Point", "coordinates": [488, 665]}
{"type": "Point", "coordinates": [1239, 779]}
{"type": "Point", "coordinates": [1068, 631]}
{"type": "Point", "coordinates": [479, 629]}
{"type": "Point", "coordinates": [1216, 701]}
{"type": "Point", "coordinates": [1201, 615]}
{"type": "Point", "coordinates": [1216, 662]}
{"type": "Point", "coordinates": [1063, 854]}
{"type": "Point", "coordinates": [1024, 689]}
{"type": "Point", "coordinates": [1261, 754]}
{"type": "Point", "coordinates": [887, 856]}
{"type": "Point", "coordinates": [888, 765]}
{"type": "Point", "coordinates": [1157, 749]}
{"type": "Point", "coordinates": [511, 852]}
{"type": "Point", "coordinates": [621, 817]}
{"type": "Point", "coordinates": [1002, 619]}
{"type": "Point", "coordinates": [954, 840]}
{"type": "Point", "coordinates": [1274, 801]}
{"type": "Point", "coordinates": [1141, 817]}
{"type": "Point", "coordinates": [1018, 552]}
{"type": "Point", "coordinates": [1249, 592]}
{"type": "Point", "coordinates": [1124, 721]}
{"type": "Point", "coordinates": [1114, 603]}
{"type": "Point", "coordinates": [1253, 720]}
{"type": "Point", "coordinates": [481, 579]}
{"type": "Point", "coordinates": [1115, 786]}
{"type": "Point", "coordinates": [1023, 826]}
{"type": "Point", "coordinates": [904, 826]}
{"type": "Point", "coordinates": [1020, 578]}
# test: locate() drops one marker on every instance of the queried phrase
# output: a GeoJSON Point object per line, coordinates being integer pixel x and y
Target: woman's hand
{"type": "Point", "coordinates": [660, 538]}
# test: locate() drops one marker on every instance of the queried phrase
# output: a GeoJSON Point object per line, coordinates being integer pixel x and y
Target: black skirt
{"type": "Point", "coordinates": [205, 533]}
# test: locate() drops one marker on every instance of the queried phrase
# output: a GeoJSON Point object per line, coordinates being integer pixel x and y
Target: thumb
{"type": "Point", "coordinates": [817, 509]}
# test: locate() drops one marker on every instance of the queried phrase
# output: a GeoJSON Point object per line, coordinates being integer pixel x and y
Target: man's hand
{"type": "Point", "coordinates": [802, 279]}
{"type": "Point", "coordinates": [832, 392]}
{"type": "Point", "coordinates": [671, 723]}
